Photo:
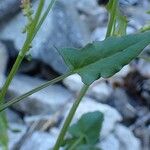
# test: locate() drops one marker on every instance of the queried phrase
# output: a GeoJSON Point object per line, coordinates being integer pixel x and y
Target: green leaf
{"type": "Point", "coordinates": [3, 131]}
{"type": "Point", "coordinates": [87, 147]}
{"type": "Point", "coordinates": [85, 133]}
{"type": "Point", "coordinates": [104, 58]}
{"type": "Point", "coordinates": [88, 126]}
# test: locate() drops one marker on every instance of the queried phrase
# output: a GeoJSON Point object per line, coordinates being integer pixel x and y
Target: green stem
{"type": "Point", "coordinates": [112, 17]}
{"type": "Point", "coordinates": [49, 8]}
{"type": "Point", "coordinates": [76, 143]}
{"type": "Point", "coordinates": [15, 100]}
{"type": "Point", "coordinates": [26, 46]}
{"type": "Point", "coordinates": [14, 69]}
{"type": "Point", "coordinates": [32, 28]}
{"type": "Point", "coordinates": [69, 117]}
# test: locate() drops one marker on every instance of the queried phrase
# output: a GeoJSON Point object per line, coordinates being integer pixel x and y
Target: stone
{"type": "Point", "coordinates": [13, 117]}
{"type": "Point", "coordinates": [43, 122]}
{"type": "Point", "coordinates": [120, 139]}
{"type": "Point", "coordinates": [121, 101]}
{"type": "Point", "coordinates": [101, 91]}
{"type": "Point", "coordinates": [127, 140]}
{"type": "Point", "coordinates": [119, 76]}
{"type": "Point", "coordinates": [109, 143]}
{"type": "Point", "coordinates": [3, 63]}
{"type": "Point", "coordinates": [124, 71]}
{"type": "Point", "coordinates": [47, 101]}
{"type": "Point", "coordinates": [73, 83]}
{"type": "Point", "coordinates": [129, 2]}
{"type": "Point", "coordinates": [99, 34]}
{"type": "Point", "coordinates": [91, 13]}
{"type": "Point", "coordinates": [15, 133]}
{"type": "Point", "coordinates": [62, 28]}
{"type": "Point", "coordinates": [39, 141]}
{"type": "Point", "coordinates": [143, 67]}
{"type": "Point", "coordinates": [8, 8]}
{"type": "Point", "coordinates": [111, 116]}
{"type": "Point", "coordinates": [145, 93]}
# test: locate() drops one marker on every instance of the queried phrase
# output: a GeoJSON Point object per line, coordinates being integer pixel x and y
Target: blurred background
{"type": "Point", "coordinates": [124, 99]}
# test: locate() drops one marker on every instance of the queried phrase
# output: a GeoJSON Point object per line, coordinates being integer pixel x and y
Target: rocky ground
{"type": "Point", "coordinates": [124, 99]}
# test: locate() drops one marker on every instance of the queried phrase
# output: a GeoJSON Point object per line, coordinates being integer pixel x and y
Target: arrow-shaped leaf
{"type": "Point", "coordinates": [104, 58]}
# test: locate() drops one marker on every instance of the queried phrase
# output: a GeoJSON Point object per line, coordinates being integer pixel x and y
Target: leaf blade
{"type": "Point", "coordinates": [103, 54]}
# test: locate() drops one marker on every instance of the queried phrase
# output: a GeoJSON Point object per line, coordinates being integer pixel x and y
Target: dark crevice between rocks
{"type": "Point", "coordinates": [33, 67]}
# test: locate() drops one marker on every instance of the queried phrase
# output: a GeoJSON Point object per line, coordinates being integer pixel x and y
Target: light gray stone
{"type": "Point", "coordinates": [3, 63]}
{"type": "Point", "coordinates": [146, 90]}
{"type": "Point", "coordinates": [111, 116]}
{"type": "Point", "coordinates": [101, 91]}
{"type": "Point", "coordinates": [13, 117]}
{"type": "Point", "coordinates": [15, 132]}
{"type": "Point", "coordinates": [126, 138]}
{"type": "Point", "coordinates": [109, 143]}
{"type": "Point", "coordinates": [91, 13]}
{"type": "Point", "coordinates": [143, 67]}
{"type": "Point", "coordinates": [8, 7]}
{"type": "Point", "coordinates": [129, 2]}
{"type": "Point", "coordinates": [62, 28]}
{"type": "Point", "coordinates": [45, 101]}
{"type": "Point", "coordinates": [39, 141]}
{"type": "Point", "coordinates": [121, 102]}
{"type": "Point", "coordinates": [73, 82]}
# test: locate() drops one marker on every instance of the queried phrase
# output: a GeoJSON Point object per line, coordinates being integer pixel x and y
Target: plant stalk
{"type": "Point", "coordinates": [76, 143]}
{"type": "Point", "coordinates": [14, 69]}
{"type": "Point", "coordinates": [112, 18]}
{"type": "Point", "coordinates": [30, 37]}
{"type": "Point", "coordinates": [69, 118]}
{"type": "Point", "coordinates": [15, 100]}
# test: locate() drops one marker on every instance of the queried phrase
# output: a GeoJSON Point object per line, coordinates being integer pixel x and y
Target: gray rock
{"type": "Point", "coordinates": [3, 63]}
{"type": "Point", "coordinates": [121, 102]}
{"type": "Point", "coordinates": [46, 101]}
{"type": "Point", "coordinates": [13, 117]}
{"type": "Point", "coordinates": [101, 91]}
{"type": "Point", "coordinates": [15, 133]}
{"type": "Point", "coordinates": [121, 139]}
{"type": "Point", "coordinates": [62, 28]}
{"type": "Point", "coordinates": [8, 7]}
{"type": "Point", "coordinates": [99, 34]}
{"type": "Point", "coordinates": [143, 67]}
{"type": "Point", "coordinates": [130, 2]}
{"type": "Point", "coordinates": [111, 116]}
{"type": "Point", "coordinates": [39, 141]}
{"type": "Point", "coordinates": [73, 83]}
{"type": "Point", "coordinates": [146, 91]}
{"type": "Point", "coordinates": [109, 143]}
{"type": "Point", "coordinates": [91, 13]}
{"type": "Point", "coordinates": [127, 140]}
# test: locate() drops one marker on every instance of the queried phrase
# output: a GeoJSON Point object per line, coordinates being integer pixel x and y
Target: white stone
{"type": "Point", "coordinates": [124, 71]}
{"type": "Point", "coordinates": [73, 82]}
{"type": "Point", "coordinates": [39, 141]}
{"type": "Point", "coordinates": [62, 24]}
{"type": "Point", "coordinates": [144, 68]}
{"type": "Point", "coordinates": [99, 34]}
{"type": "Point", "coordinates": [109, 143]}
{"type": "Point", "coordinates": [126, 138]}
{"type": "Point", "coordinates": [14, 137]}
{"type": "Point", "coordinates": [3, 63]}
{"type": "Point", "coordinates": [101, 91]}
{"type": "Point", "coordinates": [45, 101]}
{"type": "Point", "coordinates": [111, 116]}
